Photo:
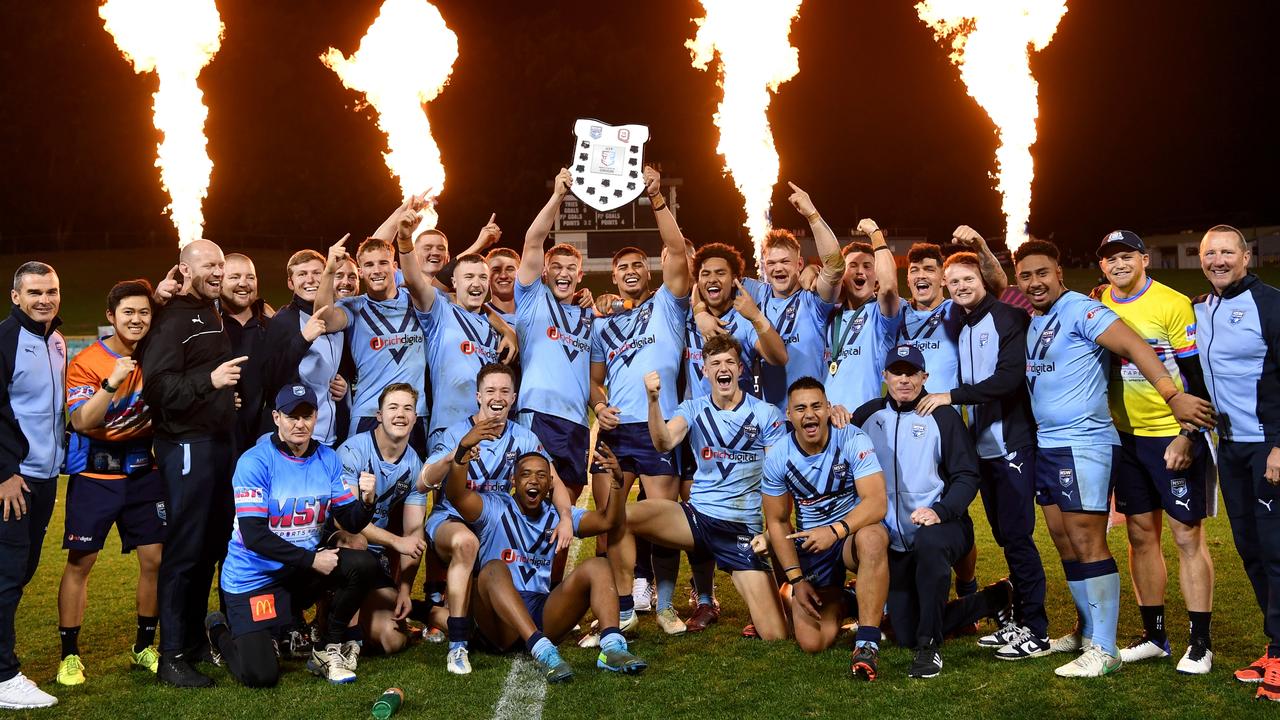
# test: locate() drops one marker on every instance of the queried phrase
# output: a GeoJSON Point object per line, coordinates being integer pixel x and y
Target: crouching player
{"type": "Point", "coordinates": [832, 476]}
{"type": "Point", "coordinates": [284, 487]}
{"type": "Point", "coordinates": [512, 599]}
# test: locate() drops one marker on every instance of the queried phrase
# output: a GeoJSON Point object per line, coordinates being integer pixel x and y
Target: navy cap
{"type": "Point", "coordinates": [909, 354]}
{"type": "Point", "coordinates": [291, 396]}
{"type": "Point", "coordinates": [1121, 237]}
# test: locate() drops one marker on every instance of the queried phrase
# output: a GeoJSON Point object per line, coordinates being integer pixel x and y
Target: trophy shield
{"type": "Point", "coordinates": [608, 161]}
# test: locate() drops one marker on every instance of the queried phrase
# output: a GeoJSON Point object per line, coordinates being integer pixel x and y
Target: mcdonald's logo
{"type": "Point", "coordinates": [263, 607]}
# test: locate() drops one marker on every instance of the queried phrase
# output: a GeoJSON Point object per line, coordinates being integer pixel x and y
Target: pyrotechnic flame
{"type": "Point", "coordinates": [404, 61]}
{"type": "Point", "coordinates": [756, 57]}
{"type": "Point", "coordinates": [991, 43]}
{"type": "Point", "coordinates": [175, 40]}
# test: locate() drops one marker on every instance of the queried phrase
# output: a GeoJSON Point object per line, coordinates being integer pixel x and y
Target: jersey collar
{"type": "Point", "coordinates": [284, 449]}
{"type": "Point", "coordinates": [905, 407]}
{"type": "Point", "coordinates": [35, 328]}
{"type": "Point", "coordinates": [1111, 292]}
{"type": "Point", "coordinates": [1239, 287]}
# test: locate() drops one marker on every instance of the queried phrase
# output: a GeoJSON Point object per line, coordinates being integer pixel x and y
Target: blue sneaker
{"type": "Point", "coordinates": [620, 661]}
{"type": "Point", "coordinates": [557, 670]}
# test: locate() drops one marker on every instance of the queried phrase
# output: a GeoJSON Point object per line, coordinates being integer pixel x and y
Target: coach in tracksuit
{"type": "Point", "coordinates": [992, 348]}
{"type": "Point", "coordinates": [191, 376]}
{"type": "Point", "coordinates": [33, 362]}
{"type": "Point", "coordinates": [1238, 331]}
{"type": "Point", "coordinates": [931, 477]}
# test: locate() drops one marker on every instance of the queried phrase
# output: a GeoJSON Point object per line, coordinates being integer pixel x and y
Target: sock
{"type": "Point", "coordinates": [1153, 623]}
{"type": "Point", "coordinates": [966, 587]}
{"type": "Point", "coordinates": [666, 569]}
{"type": "Point", "coordinates": [1102, 591]}
{"type": "Point", "coordinates": [704, 585]}
{"type": "Point", "coordinates": [867, 635]}
{"type": "Point", "coordinates": [146, 632]}
{"type": "Point", "coordinates": [542, 650]}
{"type": "Point", "coordinates": [353, 632]}
{"type": "Point", "coordinates": [459, 632]}
{"type": "Point", "coordinates": [626, 607]}
{"type": "Point", "coordinates": [420, 610]}
{"type": "Point", "coordinates": [1200, 628]}
{"type": "Point", "coordinates": [70, 640]}
{"type": "Point", "coordinates": [644, 560]}
{"type": "Point", "coordinates": [612, 640]}
{"type": "Point", "coordinates": [1075, 583]}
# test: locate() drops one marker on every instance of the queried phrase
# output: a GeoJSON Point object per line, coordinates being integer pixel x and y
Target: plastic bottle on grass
{"type": "Point", "coordinates": [388, 704]}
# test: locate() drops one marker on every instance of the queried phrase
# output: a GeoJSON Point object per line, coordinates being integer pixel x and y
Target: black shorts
{"type": "Point", "coordinates": [823, 569]}
{"type": "Point", "coordinates": [267, 608]}
{"type": "Point", "coordinates": [635, 451]}
{"type": "Point", "coordinates": [135, 505]}
{"type": "Point", "coordinates": [564, 440]}
{"type": "Point", "coordinates": [725, 541]}
{"type": "Point", "coordinates": [1143, 483]}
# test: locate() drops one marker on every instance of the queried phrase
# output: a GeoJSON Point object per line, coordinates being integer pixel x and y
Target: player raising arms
{"type": "Point", "coordinates": [862, 331]}
{"type": "Point", "coordinates": [512, 599]}
{"type": "Point", "coordinates": [832, 477]}
{"type": "Point", "coordinates": [729, 432]}
{"type": "Point", "coordinates": [1066, 344]}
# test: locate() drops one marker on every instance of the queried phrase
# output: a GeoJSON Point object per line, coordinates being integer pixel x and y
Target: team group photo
{"type": "Point", "coordinates": [779, 377]}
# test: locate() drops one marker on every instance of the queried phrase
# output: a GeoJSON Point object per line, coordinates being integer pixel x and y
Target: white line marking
{"type": "Point", "coordinates": [522, 693]}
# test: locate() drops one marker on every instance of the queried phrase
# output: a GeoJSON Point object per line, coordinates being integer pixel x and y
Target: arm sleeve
{"type": "Point", "coordinates": [82, 383]}
{"type": "Point", "coordinates": [1193, 376]}
{"type": "Point", "coordinates": [168, 387]}
{"type": "Point", "coordinates": [773, 428]}
{"type": "Point", "coordinates": [862, 454]}
{"type": "Point", "coordinates": [686, 410]}
{"type": "Point", "coordinates": [1011, 364]}
{"type": "Point", "coordinates": [959, 466]}
{"type": "Point", "coordinates": [773, 480]}
{"type": "Point", "coordinates": [13, 443]}
{"type": "Point", "coordinates": [343, 505]}
{"type": "Point", "coordinates": [1094, 318]}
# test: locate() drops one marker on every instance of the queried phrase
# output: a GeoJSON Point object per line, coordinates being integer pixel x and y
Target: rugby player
{"type": "Point", "coordinates": [863, 329]}
{"type": "Point", "coordinates": [503, 263]}
{"type": "Point", "coordinates": [1066, 343]}
{"type": "Point", "coordinates": [833, 479]}
{"type": "Point", "coordinates": [512, 599]}
{"type": "Point", "coordinates": [114, 480]}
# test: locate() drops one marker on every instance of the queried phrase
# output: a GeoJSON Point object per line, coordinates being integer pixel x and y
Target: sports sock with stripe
{"type": "Point", "coordinates": [1153, 623]}
{"type": "Point", "coordinates": [612, 640]}
{"type": "Point", "coordinates": [626, 607]}
{"type": "Point", "coordinates": [666, 569]}
{"type": "Point", "coordinates": [704, 575]}
{"type": "Point", "coordinates": [1200, 628]}
{"type": "Point", "coordinates": [70, 637]}
{"type": "Point", "coordinates": [1102, 585]}
{"type": "Point", "coordinates": [543, 650]}
{"type": "Point", "coordinates": [867, 635]}
{"type": "Point", "coordinates": [459, 632]}
{"type": "Point", "coordinates": [1075, 583]}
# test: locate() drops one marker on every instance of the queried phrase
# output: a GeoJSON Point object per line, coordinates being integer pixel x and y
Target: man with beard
{"type": "Point", "coordinates": [33, 358]}
{"type": "Point", "coordinates": [245, 317]}
{"type": "Point", "coordinates": [1066, 346]}
{"type": "Point", "coordinates": [190, 385]}
{"type": "Point", "coordinates": [862, 331]}
{"type": "Point", "coordinates": [346, 283]}
{"type": "Point", "coordinates": [503, 263]}
{"type": "Point", "coordinates": [491, 470]}
{"type": "Point", "coordinates": [114, 480]}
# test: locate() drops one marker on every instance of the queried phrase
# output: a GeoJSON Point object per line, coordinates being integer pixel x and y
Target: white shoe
{"type": "Point", "coordinates": [1024, 645]}
{"type": "Point", "coordinates": [1196, 660]}
{"type": "Point", "coordinates": [998, 639]}
{"type": "Point", "coordinates": [670, 622]}
{"type": "Point", "coordinates": [642, 595]}
{"type": "Point", "coordinates": [458, 662]}
{"type": "Point", "coordinates": [328, 664]}
{"type": "Point", "coordinates": [19, 693]}
{"type": "Point", "coordinates": [1093, 662]}
{"type": "Point", "coordinates": [351, 654]}
{"type": "Point", "coordinates": [1144, 649]}
{"type": "Point", "coordinates": [1071, 642]}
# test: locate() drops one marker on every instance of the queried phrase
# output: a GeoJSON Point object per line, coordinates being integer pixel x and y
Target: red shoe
{"type": "Point", "coordinates": [1257, 670]}
{"type": "Point", "coordinates": [1269, 689]}
{"type": "Point", "coordinates": [749, 632]}
{"type": "Point", "coordinates": [703, 616]}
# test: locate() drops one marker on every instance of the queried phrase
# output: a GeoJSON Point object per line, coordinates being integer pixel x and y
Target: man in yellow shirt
{"type": "Point", "coordinates": [1159, 467]}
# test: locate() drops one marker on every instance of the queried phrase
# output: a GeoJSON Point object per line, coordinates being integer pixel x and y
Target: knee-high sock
{"type": "Point", "coordinates": [644, 563]}
{"type": "Point", "coordinates": [1080, 595]}
{"type": "Point", "coordinates": [666, 568]}
{"type": "Point", "coordinates": [704, 575]}
{"type": "Point", "coordinates": [1102, 584]}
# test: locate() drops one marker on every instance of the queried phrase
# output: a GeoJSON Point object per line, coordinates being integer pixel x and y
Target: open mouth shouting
{"type": "Point", "coordinates": [811, 429]}
{"type": "Point", "coordinates": [714, 291]}
{"type": "Point", "coordinates": [724, 381]}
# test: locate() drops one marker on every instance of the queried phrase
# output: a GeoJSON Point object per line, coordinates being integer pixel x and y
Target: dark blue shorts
{"type": "Point", "coordinates": [1076, 479]}
{"type": "Point", "coordinates": [135, 505]}
{"type": "Point", "coordinates": [823, 569]}
{"type": "Point", "coordinates": [564, 440]}
{"type": "Point", "coordinates": [266, 608]}
{"type": "Point", "coordinates": [635, 451]}
{"type": "Point", "coordinates": [685, 461]}
{"type": "Point", "coordinates": [726, 542]}
{"type": "Point", "coordinates": [1143, 483]}
{"type": "Point", "coordinates": [535, 603]}
{"type": "Point", "coordinates": [417, 437]}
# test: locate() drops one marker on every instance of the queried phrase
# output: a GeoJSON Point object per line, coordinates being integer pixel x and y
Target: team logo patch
{"type": "Point", "coordinates": [1089, 315]}
{"type": "Point", "coordinates": [1046, 337]}
{"type": "Point", "coordinates": [917, 430]}
{"type": "Point", "coordinates": [606, 173]}
{"type": "Point", "coordinates": [597, 132]}
{"type": "Point", "coordinates": [903, 352]}
{"type": "Point", "coordinates": [1066, 477]}
{"type": "Point", "coordinates": [299, 391]}
{"type": "Point", "coordinates": [983, 338]}
{"type": "Point", "coordinates": [841, 469]}
{"type": "Point", "coordinates": [1236, 316]}
{"type": "Point", "coordinates": [1191, 331]}
{"type": "Point", "coordinates": [263, 607]}
{"type": "Point", "coordinates": [162, 512]}
{"type": "Point", "coordinates": [1178, 486]}
{"type": "Point", "coordinates": [751, 431]}
{"type": "Point", "coordinates": [1115, 236]}
{"type": "Point", "coordinates": [744, 542]}
{"type": "Point", "coordinates": [857, 324]}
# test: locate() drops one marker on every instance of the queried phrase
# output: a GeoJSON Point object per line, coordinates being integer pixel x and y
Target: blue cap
{"type": "Point", "coordinates": [291, 396]}
{"type": "Point", "coordinates": [904, 353]}
{"type": "Point", "coordinates": [1124, 238]}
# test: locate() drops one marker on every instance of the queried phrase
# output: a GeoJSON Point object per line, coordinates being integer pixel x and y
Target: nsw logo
{"type": "Point", "coordinates": [1178, 486]}
{"type": "Point", "coordinates": [751, 431]}
{"type": "Point", "coordinates": [983, 339]}
{"type": "Point", "coordinates": [1066, 477]}
{"type": "Point", "coordinates": [917, 430]}
{"type": "Point", "coordinates": [1236, 316]}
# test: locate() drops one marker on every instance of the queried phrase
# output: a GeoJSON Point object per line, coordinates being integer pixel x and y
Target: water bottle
{"type": "Point", "coordinates": [388, 704]}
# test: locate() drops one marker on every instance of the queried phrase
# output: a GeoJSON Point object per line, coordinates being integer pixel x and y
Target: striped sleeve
{"type": "Point", "coordinates": [251, 485]}
{"type": "Point", "coordinates": [1181, 326]}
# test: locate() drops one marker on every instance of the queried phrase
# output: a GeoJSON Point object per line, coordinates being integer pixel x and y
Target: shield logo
{"type": "Point", "coordinates": [1066, 477]}
{"type": "Point", "coordinates": [903, 351]}
{"type": "Point", "coordinates": [607, 166]}
{"type": "Point", "coordinates": [1178, 486]}
{"type": "Point", "coordinates": [1236, 316]}
{"type": "Point", "coordinates": [917, 430]}
{"type": "Point", "coordinates": [751, 431]}
{"type": "Point", "coordinates": [983, 338]}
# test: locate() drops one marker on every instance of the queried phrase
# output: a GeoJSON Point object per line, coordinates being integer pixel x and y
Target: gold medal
{"type": "Point", "coordinates": [833, 367]}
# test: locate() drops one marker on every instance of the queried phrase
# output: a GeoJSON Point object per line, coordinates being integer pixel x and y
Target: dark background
{"type": "Point", "coordinates": [1156, 116]}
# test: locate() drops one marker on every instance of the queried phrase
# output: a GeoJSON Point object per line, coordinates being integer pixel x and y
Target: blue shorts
{"type": "Point", "coordinates": [266, 608]}
{"type": "Point", "coordinates": [435, 520]}
{"type": "Point", "coordinates": [823, 569]}
{"type": "Point", "coordinates": [535, 603]}
{"type": "Point", "coordinates": [635, 451]}
{"type": "Point", "coordinates": [135, 505]}
{"type": "Point", "coordinates": [1076, 479]}
{"type": "Point", "coordinates": [726, 542]}
{"type": "Point", "coordinates": [564, 440]}
{"type": "Point", "coordinates": [417, 436]}
{"type": "Point", "coordinates": [1143, 483]}
{"type": "Point", "coordinates": [686, 463]}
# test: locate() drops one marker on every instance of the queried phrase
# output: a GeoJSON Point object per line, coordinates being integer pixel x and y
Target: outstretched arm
{"type": "Point", "coordinates": [675, 264]}
{"type": "Point", "coordinates": [531, 259]}
{"type": "Point", "coordinates": [828, 246]}
{"type": "Point", "coordinates": [420, 287]}
{"type": "Point", "coordinates": [886, 268]}
{"type": "Point", "coordinates": [1192, 412]}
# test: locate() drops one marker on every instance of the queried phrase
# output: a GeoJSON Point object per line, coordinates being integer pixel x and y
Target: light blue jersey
{"type": "Point", "coordinates": [823, 485]}
{"type": "Point", "coordinates": [459, 343]}
{"type": "Point", "coordinates": [800, 320]}
{"type": "Point", "coordinates": [397, 478]}
{"type": "Point", "coordinates": [555, 353]}
{"type": "Point", "coordinates": [696, 383]}
{"type": "Point", "coordinates": [1067, 373]}
{"type": "Point", "coordinates": [492, 470]}
{"type": "Point", "coordinates": [729, 447]}
{"type": "Point", "coordinates": [386, 345]}
{"type": "Point", "coordinates": [935, 332]}
{"type": "Point", "coordinates": [857, 341]}
{"type": "Point", "coordinates": [520, 541]}
{"type": "Point", "coordinates": [631, 344]}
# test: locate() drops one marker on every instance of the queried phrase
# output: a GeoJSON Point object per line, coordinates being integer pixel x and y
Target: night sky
{"type": "Point", "coordinates": [1155, 122]}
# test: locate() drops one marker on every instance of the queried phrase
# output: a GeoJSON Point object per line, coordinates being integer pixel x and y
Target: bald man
{"type": "Point", "coordinates": [191, 377]}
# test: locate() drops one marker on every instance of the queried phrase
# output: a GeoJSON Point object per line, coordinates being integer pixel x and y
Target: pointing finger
{"type": "Point", "coordinates": [794, 187]}
{"type": "Point", "coordinates": [234, 362]}
{"type": "Point", "coordinates": [492, 217]}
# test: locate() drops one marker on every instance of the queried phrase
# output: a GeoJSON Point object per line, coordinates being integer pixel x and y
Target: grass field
{"type": "Point", "coordinates": [713, 675]}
